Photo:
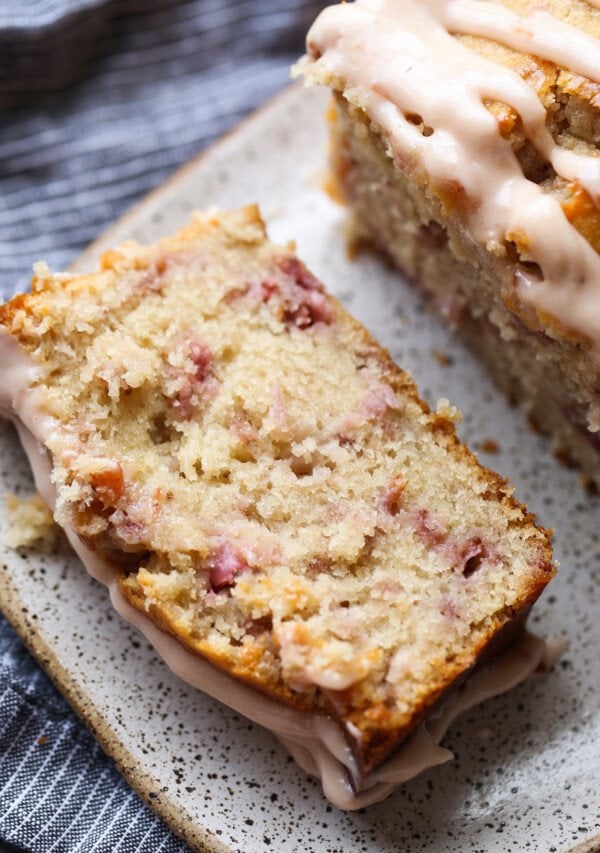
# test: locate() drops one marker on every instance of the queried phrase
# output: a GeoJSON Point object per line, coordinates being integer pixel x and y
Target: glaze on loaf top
{"type": "Point", "coordinates": [496, 105]}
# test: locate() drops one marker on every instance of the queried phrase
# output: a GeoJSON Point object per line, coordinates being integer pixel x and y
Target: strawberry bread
{"type": "Point", "coordinates": [260, 481]}
{"type": "Point", "coordinates": [465, 137]}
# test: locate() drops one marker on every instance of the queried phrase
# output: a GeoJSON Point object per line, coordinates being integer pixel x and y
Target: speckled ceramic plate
{"type": "Point", "coordinates": [526, 773]}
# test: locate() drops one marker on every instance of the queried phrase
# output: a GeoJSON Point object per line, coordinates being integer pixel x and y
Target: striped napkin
{"type": "Point", "coordinates": [100, 100]}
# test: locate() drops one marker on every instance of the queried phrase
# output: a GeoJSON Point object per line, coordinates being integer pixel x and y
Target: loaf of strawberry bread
{"type": "Point", "coordinates": [466, 139]}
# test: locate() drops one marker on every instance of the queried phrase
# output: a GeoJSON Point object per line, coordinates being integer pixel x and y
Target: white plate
{"type": "Point", "coordinates": [526, 772]}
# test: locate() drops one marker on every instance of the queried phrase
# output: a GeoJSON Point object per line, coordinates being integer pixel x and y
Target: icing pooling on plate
{"type": "Point", "coordinates": [398, 58]}
{"type": "Point", "coordinates": [315, 741]}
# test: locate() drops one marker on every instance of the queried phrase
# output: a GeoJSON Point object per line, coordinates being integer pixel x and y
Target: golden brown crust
{"type": "Point", "coordinates": [36, 305]}
{"type": "Point", "coordinates": [246, 670]}
{"type": "Point", "coordinates": [382, 734]}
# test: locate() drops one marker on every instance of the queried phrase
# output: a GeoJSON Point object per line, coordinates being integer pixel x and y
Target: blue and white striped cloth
{"type": "Point", "coordinates": [100, 100]}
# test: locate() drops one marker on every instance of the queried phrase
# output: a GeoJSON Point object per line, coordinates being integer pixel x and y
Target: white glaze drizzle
{"type": "Point", "coordinates": [538, 33]}
{"type": "Point", "coordinates": [314, 740]}
{"type": "Point", "coordinates": [397, 57]}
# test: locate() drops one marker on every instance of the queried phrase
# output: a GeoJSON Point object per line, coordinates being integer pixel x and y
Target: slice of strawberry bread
{"type": "Point", "coordinates": [265, 483]}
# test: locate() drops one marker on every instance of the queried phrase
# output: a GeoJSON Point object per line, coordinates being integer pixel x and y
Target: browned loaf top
{"type": "Point", "coordinates": [267, 483]}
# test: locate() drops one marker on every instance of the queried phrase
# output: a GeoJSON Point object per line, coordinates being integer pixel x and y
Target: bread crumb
{"type": "Point", "coordinates": [442, 358]}
{"type": "Point", "coordinates": [29, 521]}
{"type": "Point", "coordinates": [489, 445]}
{"type": "Point", "coordinates": [563, 456]}
{"type": "Point", "coordinates": [451, 412]}
{"type": "Point", "coordinates": [589, 485]}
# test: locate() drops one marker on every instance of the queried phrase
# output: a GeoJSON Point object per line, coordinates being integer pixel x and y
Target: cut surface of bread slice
{"type": "Point", "coordinates": [266, 484]}
{"type": "Point", "coordinates": [465, 137]}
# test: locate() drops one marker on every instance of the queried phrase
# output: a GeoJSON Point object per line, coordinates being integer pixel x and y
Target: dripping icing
{"type": "Point", "coordinates": [399, 58]}
{"type": "Point", "coordinates": [538, 33]}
